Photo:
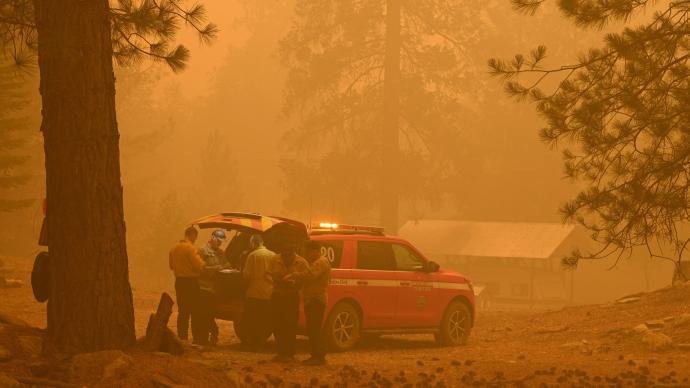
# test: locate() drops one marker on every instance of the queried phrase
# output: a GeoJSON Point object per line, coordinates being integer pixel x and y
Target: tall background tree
{"type": "Point", "coordinates": [21, 162]}
{"type": "Point", "coordinates": [91, 301]}
{"type": "Point", "coordinates": [15, 140]}
{"type": "Point", "coordinates": [621, 114]}
{"type": "Point", "coordinates": [375, 92]}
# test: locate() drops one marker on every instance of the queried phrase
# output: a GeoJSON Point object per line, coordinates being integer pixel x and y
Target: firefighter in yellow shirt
{"type": "Point", "coordinates": [186, 264]}
{"type": "Point", "coordinates": [284, 271]}
{"type": "Point", "coordinates": [315, 297]}
{"type": "Point", "coordinates": [257, 305]}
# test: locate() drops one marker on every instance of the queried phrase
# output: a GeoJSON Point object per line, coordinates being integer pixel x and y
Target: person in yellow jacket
{"type": "Point", "coordinates": [187, 265]}
{"type": "Point", "coordinates": [257, 304]}
{"type": "Point", "coordinates": [315, 297]}
{"type": "Point", "coordinates": [284, 270]}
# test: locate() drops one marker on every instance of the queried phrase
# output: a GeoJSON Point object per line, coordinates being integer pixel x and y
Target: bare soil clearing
{"type": "Point", "coordinates": [599, 345]}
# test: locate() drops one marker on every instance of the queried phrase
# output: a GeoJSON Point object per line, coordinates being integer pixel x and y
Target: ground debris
{"type": "Point", "coordinates": [12, 320]}
{"type": "Point", "coordinates": [10, 283]}
{"type": "Point", "coordinates": [656, 324]}
{"type": "Point", "coordinates": [7, 381]}
{"type": "Point", "coordinates": [682, 320]}
{"type": "Point", "coordinates": [554, 329]}
{"type": "Point", "coordinates": [104, 364]}
{"type": "Point", "coordinates": [628, 300]}
{"type": "Point", "coordinates": [160, 381]}
{"type": "Point", "coordinates": [40, 382]}
{"type": "Point", "coordinates": [5, 355]}
{"type": "Point", "coordinates": [657, 341]}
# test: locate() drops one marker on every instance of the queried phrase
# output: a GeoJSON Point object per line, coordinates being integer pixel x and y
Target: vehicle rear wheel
{"type": "Point", "coordinates": [343, 328]}
{"type": "Point", "coordinates": [455, 325]}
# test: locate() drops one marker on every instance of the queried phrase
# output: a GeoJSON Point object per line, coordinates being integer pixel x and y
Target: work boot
{"type": "Point", "coordinates": [214, 339]}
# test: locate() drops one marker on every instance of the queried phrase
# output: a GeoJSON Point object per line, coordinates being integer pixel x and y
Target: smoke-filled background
{"type": "Point", "coordinates": [236, 131]}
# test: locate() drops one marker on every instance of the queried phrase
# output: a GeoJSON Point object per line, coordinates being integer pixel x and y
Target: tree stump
{"type": "Point", "coordinates": [158, 336]}
{"type": "Point", "coordinates": [171, 344]}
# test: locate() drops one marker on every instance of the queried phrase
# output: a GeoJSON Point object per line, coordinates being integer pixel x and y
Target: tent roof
{"type": "Point", "coordinates": [486, 239]}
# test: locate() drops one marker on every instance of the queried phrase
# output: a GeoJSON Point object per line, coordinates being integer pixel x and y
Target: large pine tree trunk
{"type": "Point", "coordinates": [390, 178]}
{"type": "Point", "coordinates": [90, 306]}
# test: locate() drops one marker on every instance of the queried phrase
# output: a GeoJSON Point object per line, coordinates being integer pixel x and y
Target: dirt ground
{"type": "Point", "coordinates": [576, 346]}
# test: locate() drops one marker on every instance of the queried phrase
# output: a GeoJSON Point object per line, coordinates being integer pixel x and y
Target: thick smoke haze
{"type": "Point", "coordinates": [213, 137]}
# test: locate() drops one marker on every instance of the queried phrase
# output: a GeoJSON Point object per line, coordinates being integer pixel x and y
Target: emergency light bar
{"type": "Point", "coordinates": [348, 228]}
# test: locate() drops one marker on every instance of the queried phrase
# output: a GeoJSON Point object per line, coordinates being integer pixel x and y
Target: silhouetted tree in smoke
{"type": "Point", "coordinates": [90, 304]}
{"type": "Point", "coordinates": [377, 85]}
{"type": "Point", "coordinates": [621, 113]}
{"type": "Point", "coordinates": [15, 140]}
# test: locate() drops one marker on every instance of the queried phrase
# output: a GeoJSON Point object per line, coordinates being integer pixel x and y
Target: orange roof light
{"type": "Point", "coordinates": [347, 227]}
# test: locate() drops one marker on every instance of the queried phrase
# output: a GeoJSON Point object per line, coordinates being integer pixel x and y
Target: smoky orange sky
{"type": "Point", "coordinates": [211, 138]}
{"type": "Point", "coordinates": [241, 69]}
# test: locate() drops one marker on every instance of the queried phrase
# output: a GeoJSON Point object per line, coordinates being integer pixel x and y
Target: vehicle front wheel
{"type": "Point", "coordinates": [343, 328]}
{"type": "Point", "coordinates": [455, 325]}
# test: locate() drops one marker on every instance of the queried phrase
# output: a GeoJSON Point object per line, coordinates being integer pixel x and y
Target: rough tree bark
{"type": "Point", "coordinates": [390, 179]}
{"type": "Point", "coordinates": [90, 306]}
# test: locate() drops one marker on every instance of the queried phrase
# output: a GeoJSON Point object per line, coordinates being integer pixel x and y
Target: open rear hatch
{"type": "Point", "coordinates": [275, 231]}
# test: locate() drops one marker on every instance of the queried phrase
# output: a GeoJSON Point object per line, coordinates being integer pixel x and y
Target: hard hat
{"type": "Point", "coordinates": [219, 234]}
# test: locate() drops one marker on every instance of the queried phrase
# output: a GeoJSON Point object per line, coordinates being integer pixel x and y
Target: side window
{"type": "Point", "coordinates": [333, 251]}
{"type": "Point", "coordinates": [375, 255]}
{"type": "Point", "coordinates": [406, 260]}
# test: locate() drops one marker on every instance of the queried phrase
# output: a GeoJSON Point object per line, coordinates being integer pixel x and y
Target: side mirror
{"type": "Point", "coordinates": [432, 266]}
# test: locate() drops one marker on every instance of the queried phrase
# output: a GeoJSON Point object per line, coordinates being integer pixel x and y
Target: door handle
{"type": "Point", "coordinates": [362, 282]}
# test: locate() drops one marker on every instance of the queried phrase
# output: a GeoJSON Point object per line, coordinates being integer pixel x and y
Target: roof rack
{"type": "Point", "coordinates": [331, 228]}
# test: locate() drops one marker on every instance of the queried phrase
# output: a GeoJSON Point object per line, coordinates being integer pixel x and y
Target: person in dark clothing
{"type": "Point", "coordinates": [186, 264]}
{"type": "Point", "coordinates": [214, 258]}
{"type": "Point", "coordinates": [314, 293]}
{"type": "Point", "coordinates": [284, 270]}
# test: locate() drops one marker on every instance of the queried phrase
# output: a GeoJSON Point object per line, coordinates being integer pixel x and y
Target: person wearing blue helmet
{"type": "Point", "coordinates": [214, 258]}
{"type": "Point", "coordinates": [212, 254]}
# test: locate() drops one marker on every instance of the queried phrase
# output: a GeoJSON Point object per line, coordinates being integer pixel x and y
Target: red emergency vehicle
{"type": "Point", "coordinates": [383, 285]}
{"type": "Point", "coordinates": [380, 284]}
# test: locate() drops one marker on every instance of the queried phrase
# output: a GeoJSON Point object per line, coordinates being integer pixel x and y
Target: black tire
{"type": "Point", "coordinates": [455, 326]}
{"type": "Point", "coordinates": [343, 328]}
{"type": "Point", "coordinates": [40, 277]}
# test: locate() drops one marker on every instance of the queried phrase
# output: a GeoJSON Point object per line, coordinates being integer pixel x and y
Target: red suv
{"type": "Point", "coordinates": [383, 285]}
{"type": "Point", "coordinates": [380, 284]}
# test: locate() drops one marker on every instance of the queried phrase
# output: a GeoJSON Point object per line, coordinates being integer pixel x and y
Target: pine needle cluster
{"type": "Point", "coordinates": [621, 115]}
{"type": "Point", "coordinates": [141, 29]}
